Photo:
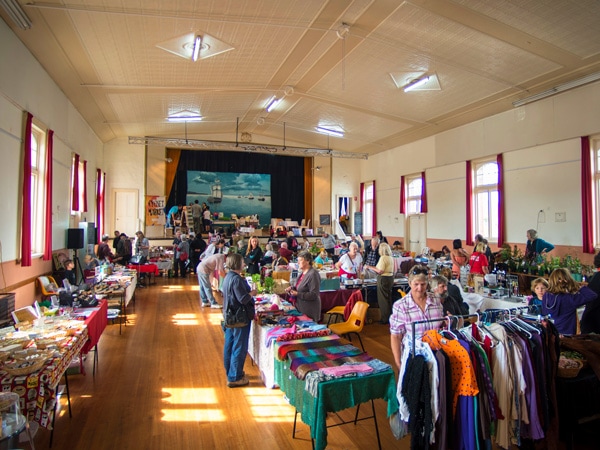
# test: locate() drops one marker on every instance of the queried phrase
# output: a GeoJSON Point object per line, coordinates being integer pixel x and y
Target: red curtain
{"type": "Point", "coordinates": [402, 196]}
{"type": "Point", "coordinates": [48, 197]}
{"type": "Point", "coordinates": [374, 209]}
{"type": "Point", "coordinates": [423, 193]}
{"type": "Point", "coordinates": [500, 163]}
{"type": "Point", "coordinates": [85, 205]}
{"type": "Point", "coordinates": [587, 219]}
{"type": "Point", "coordinates": [75, 183]}
{"type": "Point", "coordinates": [469, 204]}
{"type": "Point", "coordinates": [100, 190]}
{"type": "Point", "coordinates": [362, 197]}
{"type": "Point", "coordinates": [25, 207]}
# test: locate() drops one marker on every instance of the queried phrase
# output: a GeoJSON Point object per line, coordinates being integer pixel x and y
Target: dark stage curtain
{"type": "Point", "coordinates": [287, 176]}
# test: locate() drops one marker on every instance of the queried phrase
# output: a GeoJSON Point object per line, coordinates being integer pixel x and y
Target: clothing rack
{"type": "Point", "coordinates": [440, 319]}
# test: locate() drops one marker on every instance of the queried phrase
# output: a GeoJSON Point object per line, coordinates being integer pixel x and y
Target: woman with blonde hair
{"type": "Point", "coordinates": [385, 281]}
{"type": "Point", "coordinates": [562, 299]}
{"type": "Point", "coordinates": [253, 256]}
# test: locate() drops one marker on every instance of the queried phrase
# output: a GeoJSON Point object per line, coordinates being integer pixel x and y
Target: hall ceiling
{"type": "Point", "coordinates": [336, 63]}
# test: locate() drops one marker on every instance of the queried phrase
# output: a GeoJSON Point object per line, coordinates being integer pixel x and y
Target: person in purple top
{"type": "Point", "coordinates": [563, 298]}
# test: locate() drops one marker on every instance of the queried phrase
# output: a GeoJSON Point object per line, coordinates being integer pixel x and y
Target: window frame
{"type": "Point", "coordinates": [368, 205]}
{"type": "Point", "coordinates": [417, 199]}
{"type": "Point", "coordinates": [595, 149]}
{"type": "Point", "coordinates": [492, 191]}
{"type": "Point", "coordinates": [38, 183]}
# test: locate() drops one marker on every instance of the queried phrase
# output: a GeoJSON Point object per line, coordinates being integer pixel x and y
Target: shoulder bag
{"type": "Point", "coordinates": [236, 317]}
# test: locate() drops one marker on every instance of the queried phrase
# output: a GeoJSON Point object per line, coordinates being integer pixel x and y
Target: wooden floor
{"type": "Point", "coordinates": [161, 385]}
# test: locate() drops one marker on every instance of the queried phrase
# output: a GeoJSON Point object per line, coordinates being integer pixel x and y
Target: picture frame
{"type": "Point", "coordinates": [325, 219]}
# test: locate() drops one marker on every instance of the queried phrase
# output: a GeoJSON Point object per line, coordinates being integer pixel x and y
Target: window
{"type": "Point", "coordinates": [485, 199]}
{"type": "Point", "coordinates": [78, 185]}
{"type": "Point", "coordinates": [38, 182]}
{"type": "Point", "coordinates": [368, 205]}
{"type": "Point", "coordinates": [414, 188]}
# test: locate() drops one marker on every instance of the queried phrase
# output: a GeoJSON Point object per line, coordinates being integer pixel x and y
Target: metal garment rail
{"type": "Point", "coordinates": [439, 319]}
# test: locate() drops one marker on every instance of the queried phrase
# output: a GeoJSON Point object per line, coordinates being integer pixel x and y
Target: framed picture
{"type": "Point", "coordinates": [325, 219]}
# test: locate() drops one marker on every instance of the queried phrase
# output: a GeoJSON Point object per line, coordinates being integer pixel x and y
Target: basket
{"type": "Point", "coordinates": [570, 372]}
{"type": "Point", "coordinates": [18, 369]}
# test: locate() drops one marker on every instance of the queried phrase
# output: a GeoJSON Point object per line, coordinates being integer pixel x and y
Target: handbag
{"type": "Point", "coordinates": [183, 256]}
{"type": "Point", "coordinates": [236, 317]}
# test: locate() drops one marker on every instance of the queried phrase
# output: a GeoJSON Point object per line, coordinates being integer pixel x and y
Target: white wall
{"type": "Point", "coordinates": [25, 86]}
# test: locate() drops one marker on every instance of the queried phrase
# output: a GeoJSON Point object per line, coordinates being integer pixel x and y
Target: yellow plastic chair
{"type": "Point", "coordinates": [45, 283]}
{"type": "Point", "coordinates": [338, 311]}
{"type": "Point", "coordinates": [354, 324]}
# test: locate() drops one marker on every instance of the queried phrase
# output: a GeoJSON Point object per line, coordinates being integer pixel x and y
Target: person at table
{"type": "Point", "coordinates": [205, 270]}
{"type": "Point", "coordinates": [454, 289]}
{"type": "Point", "coordinates": [236, 292]}
{"type": "Point", "coordinates": [322, 258]}
{"type": "Point", "coordinates": [536, 247]}
{"type": "Point", "coordinates": [253, 256]}
{"type": "Point", "coordinates": [539, 286]}
{"type": "Point", "coordinates": [182, 255]}
{"type": "Point", "coordinates": [285, 252]}
{"type": "Point", "coordinates": [292, 242]}
{"type": "Point", "coordinates": [478, 261]}
{"type": "Point", "coordinates": [142, 245]}
{"type": "Point", "coordinates": [116, 240]}
{"type": "Point", "coordinates": [197, 247]}
{"type": "Point", "coordinates": [90, 262]}
{"type": "Point", "coordinates": [381, 237]}
{"type": "Point", "coordinates": [305, 295]}
{"type": "Point", "coordinates": [459, 257]}
{"type": "Point", "coordinates": [418, 304]}
{"type": "Point", "coordinates": [343, 248]}
{"type": "Point", "coordinates": [590, 321]}
{"type": "Point", "coordinates": [305, 244]}
{"type": "Point", "coordinates": [439, 286]}
{"type": "Point", "coordinates": [174, 216]}
{"type": "Point", "coordinates": [358, 240]}
{"type": "Point", "coordinates": [124, 250]}
{"type": "Point", "coordinates": [104, 253]}
{"type": "Point", "coordinates": [215, 247]}
{"type": "Point", "coordinates": [371, 257]}
{"type": "Point", "coordinates": [70, 275]}
{"type": "Point", "coordinates": [350, 264]}
{"type": "Point", "coordinates": [328, 242]}
{"type": "Point", "coordinates": [206, 220]}
{"type": "Point", "coordinates": [563, 297]}
{"type": "Point", "coordinates": [385, 281]}
{"type": "Point", "coordinates": [197, 216]}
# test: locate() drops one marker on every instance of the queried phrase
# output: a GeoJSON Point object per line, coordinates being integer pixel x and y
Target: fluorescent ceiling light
{"type": "Point", "coordinates": [16, 13]}
{"type": "Point", "coordinates": [187, 118]}
{"type": "Point", "coordinates": [556, 89]}
{"type": "Point", "coordinates": [330, 131]}
{"type": "Point", "coordinates": [416, 83]}
{"type": "Point", "coordinates": [273, 103]}
{"type": "Point", "coordinates": [197, 47]}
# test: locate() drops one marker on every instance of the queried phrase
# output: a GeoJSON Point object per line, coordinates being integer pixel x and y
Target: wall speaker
{"type": "Point", "coordinates": [74, 238]}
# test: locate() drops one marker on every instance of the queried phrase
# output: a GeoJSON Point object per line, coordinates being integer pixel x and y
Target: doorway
{"type": "Point", "coordinates": [126, 211]}
{"type": "Point", "coordinates": [417, 233]}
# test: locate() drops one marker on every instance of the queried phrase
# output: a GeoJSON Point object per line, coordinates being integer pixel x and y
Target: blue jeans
{"type": "Point", "coordinates": [206, 294]}
{"type": "Point", "coordinates": [234, 352]}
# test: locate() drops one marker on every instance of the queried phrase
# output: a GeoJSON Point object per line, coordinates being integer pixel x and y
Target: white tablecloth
{"type": "Point", "coordinates": [479, 302]}
{"type": "Point", "coordinates": [263, 356]}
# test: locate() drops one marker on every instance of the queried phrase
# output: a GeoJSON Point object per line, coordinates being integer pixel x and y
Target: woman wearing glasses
{"type": "Point", "coordinates": [418, 304]}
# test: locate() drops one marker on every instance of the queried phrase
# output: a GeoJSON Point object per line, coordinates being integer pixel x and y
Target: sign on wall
{"type": "Point", "coordinates": [155, 210]}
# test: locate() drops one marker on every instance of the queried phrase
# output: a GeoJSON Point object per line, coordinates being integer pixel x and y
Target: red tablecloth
{"type": "Point", "coordinates": [144, 268]}
{"type": "Point", "coordinates": [96, 323]}
{"type": "Point", "coordinates": [329, 299]}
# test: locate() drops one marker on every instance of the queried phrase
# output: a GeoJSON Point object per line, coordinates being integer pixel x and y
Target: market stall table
{"type": "Point", "coordinates": [478, 302]}
{"type": "Point", "coordinates": [96, 320]}
{"type": "Point", "coordinates": [335, 395]}
{"type": "Point", "coordinates": [38, 390]}
{"type": "Point", "coordinates": [149, 269]}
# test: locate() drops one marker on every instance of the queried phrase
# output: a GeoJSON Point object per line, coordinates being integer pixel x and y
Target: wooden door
{"type": "Point", "coordinates": [417, 233]}
{"type": "Point", "coordinates": [126, 218]}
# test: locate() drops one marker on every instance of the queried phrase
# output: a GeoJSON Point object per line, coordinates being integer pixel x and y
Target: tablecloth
{"type": "Point", "coordinates": [145, 268]}
{"type": "Point", "coordinates": [37, 391]}
{"type": "Point", "coordinates": [96, 321]}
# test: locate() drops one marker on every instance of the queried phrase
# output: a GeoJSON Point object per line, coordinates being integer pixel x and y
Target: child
{"type": "Point", "coordinates": [69, 272]}
{"type": "Point", "coordinates": [539, 286]}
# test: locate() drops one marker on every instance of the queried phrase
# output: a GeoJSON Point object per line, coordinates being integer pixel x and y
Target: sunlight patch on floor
{"type": "Point", "coordinates": [193, 415]}
{"type": "Point", "coordinates": [185, 396]}
{"type": "Point", "coordinates": [174, 288]}
{"type": "Point", "coordinates": [216, 317]}
{"type": "Point", "coordinates": [185, 319]}
{"type": "Point", "coordinates": [268, 405]}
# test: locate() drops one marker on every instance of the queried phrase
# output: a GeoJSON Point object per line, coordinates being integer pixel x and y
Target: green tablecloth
{"type": "Point", "coordinates": [334, 395]}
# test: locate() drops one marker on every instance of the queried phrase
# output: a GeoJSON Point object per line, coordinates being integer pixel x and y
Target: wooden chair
{"type": "Point", "coordinates": [354, 324]}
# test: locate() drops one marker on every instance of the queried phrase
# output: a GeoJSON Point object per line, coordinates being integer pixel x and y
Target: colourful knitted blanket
{"type": "Point", "coordinates": [284, 347]}
{"type": "Point", "coordinates": [311, 358]}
